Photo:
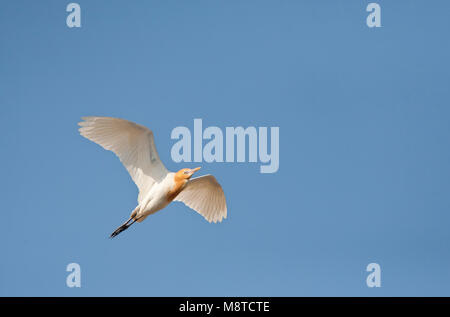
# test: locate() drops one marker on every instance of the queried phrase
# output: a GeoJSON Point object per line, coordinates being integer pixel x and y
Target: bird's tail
{"type": "Point", "coordinates": [123, 227]}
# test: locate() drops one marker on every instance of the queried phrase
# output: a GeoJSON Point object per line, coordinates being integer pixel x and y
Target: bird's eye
{"type": "Point", "coordinates": [186, 172]}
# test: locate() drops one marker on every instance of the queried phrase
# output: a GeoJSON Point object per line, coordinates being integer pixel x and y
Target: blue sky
{"type": "Point", "coordinates": [364, 152]}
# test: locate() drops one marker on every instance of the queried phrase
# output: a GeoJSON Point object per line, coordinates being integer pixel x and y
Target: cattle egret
{"type": "Point", "coordinates": [135, 147]}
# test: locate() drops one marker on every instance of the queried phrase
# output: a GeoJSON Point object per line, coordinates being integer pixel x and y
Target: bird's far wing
{"type": "Point", "coordinates": [205, 195]}
{"type": "Point", "coordinates": [132, 143]}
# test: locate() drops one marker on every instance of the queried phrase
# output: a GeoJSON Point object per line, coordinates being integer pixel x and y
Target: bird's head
{"type": "Point", "coordinates": [186, 173]}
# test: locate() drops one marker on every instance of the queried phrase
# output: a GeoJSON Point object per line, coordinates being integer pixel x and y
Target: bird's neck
{"type": "Point", "coordinates": [177, 187]}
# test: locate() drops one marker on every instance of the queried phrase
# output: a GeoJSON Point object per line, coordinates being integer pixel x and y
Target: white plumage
{"type": "Point", "coordinates": [135, 146]}
{"type": "Point", "coordinates": [205, 195]}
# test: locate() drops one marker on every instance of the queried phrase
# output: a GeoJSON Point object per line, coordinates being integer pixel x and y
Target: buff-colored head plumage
{"type": "Point", "coordinates": [186, 173]}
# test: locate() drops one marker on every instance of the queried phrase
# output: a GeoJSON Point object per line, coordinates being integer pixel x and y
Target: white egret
{"type": "Point", "coordinates": [135, 147]}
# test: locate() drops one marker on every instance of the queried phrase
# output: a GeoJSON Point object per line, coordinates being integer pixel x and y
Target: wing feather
{"type": "Point", "coordinates": [205, 195]}
{"type": "Point", "coordinates": [132, 143]}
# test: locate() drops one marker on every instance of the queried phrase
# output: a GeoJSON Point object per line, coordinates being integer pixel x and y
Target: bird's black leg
{"type": "Point", "coordinates": [123, 227]}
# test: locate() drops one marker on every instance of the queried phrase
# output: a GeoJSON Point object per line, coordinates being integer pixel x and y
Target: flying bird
{"type": "Point", "coordinates": [135, 146]}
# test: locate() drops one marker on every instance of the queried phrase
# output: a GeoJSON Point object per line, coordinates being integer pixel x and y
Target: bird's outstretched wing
{"type": "Point", "coordinates": [132, 143]}
{"type": "Point", "coordinates": [205, 195]}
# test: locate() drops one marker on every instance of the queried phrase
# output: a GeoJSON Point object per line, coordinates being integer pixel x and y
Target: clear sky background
{"type": "Point", "coordinates": [364, 146]}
